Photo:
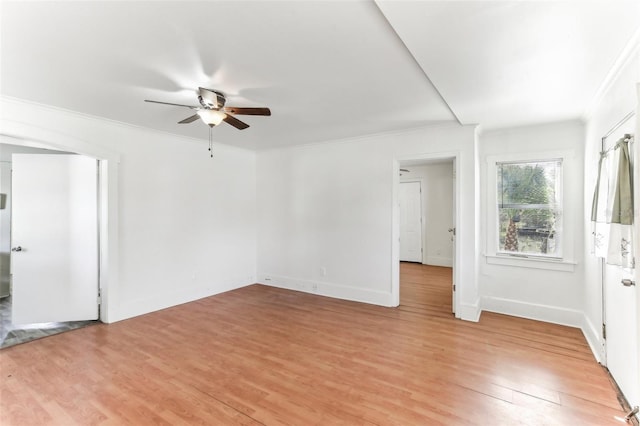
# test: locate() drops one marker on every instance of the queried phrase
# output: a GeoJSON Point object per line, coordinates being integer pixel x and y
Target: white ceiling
{"type": "Point", "coordinates": [328, 70]}
{"type": "Point", "coordinates": [511, 63]}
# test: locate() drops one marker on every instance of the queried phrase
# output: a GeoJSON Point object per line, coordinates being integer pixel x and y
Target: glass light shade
{"type": "Point", "coordinates": [211, 116]}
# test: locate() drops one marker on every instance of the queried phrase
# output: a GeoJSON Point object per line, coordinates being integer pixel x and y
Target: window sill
{"type": "Point", "coordinates": [531, 262]}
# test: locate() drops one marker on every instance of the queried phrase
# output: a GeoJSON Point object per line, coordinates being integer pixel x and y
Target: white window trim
{"type": "Point", "coordinates": [531, 262]}
{"type": "Point", "coordinates": [493, 256]}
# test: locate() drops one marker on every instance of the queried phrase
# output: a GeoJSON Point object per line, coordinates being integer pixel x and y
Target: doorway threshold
{"type": "Point", "coordinates": [11, 335]}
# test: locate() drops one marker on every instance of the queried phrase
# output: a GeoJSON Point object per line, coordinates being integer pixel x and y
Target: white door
{"type": "Point", "coordinates": [621, 321]}
{"type": "Point", "coordinates": [54, 238]}
{"type": "Point", "coordinates": [620, 314]}
{"type": "Point", "coordinates": [410, 222]}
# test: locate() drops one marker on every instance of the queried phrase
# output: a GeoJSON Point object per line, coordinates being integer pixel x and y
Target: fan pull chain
{"type": "Point", "coordinates": [210, 142]}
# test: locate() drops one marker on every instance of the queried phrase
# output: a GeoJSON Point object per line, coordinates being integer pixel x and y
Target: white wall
{"type": "Point", "coordinates": [617, 100]}
{"type": "Point", "coordinates": [185, 222]}
{"type": "Point", "coordinates": [326, 221]}
{"type": "Point", "coordinates": [437, 210]}
{"type": "Point", "coordinates": [520, 287]}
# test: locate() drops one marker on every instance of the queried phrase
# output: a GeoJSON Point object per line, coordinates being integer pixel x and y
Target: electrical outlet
{"type": "Point", "coordinates": [323, 271]}
{"type": "Point", "coordinates": [314, 287]}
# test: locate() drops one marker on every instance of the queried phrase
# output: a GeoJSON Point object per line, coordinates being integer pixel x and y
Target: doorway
{"type": "Point", "coordinates": [426, 201]}
{"type": "Point", "coordinates": [49, 242]}
{"type": "Point", "coordinates": [26, 135]}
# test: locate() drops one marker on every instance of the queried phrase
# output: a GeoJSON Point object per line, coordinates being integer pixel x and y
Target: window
{"type": "Point", "coordinates": [529, 206]}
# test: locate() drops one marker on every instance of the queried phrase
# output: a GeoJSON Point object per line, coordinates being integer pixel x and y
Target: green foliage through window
{"type": "Point", "coordinates": [528, 207]}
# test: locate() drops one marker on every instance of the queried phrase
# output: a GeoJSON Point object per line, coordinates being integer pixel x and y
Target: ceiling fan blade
{"type": "Point", "coordinates": [230, 119]}
{"type": "Point", "coordinates": [169, 103]}
{"type": "Point", "coordinates": [247, 111]}
{"type": "Point", "coordinates": [191, 119]}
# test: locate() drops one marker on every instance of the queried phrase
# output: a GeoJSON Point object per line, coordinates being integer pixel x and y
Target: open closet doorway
{"type": "Point", "coordinates": [427, 217]}
{"type": "Point", "coordinates": [49, 242]}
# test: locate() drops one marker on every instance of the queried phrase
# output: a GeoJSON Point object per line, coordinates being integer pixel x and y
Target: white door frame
{"type": "Point", "coordinates": [395, 221]}
{"type": "Point", "coordinates": [18, 133]}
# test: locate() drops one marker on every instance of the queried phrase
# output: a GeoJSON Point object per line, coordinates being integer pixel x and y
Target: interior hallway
{"type": "Point", "coordinates": [266, 356]}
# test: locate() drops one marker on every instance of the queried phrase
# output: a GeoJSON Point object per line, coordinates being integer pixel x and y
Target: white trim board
{"type": "Point", "coordinates": [551, 314]}
{"type": "Point", "coordinates": [438, 261]}
{"type": "Point", "coordinates": [468, 312]}
{"type": "Point", "coordinates": [534, 311]}
{"type": "Point", "coordinates": [593, 339]}
{"type": "Point", "coordinates": [132, 308]}
{"type": "Point", "coordinates": [323, 288]}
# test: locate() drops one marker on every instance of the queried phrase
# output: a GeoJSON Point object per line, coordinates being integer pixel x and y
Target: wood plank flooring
{"type": "Point", "coordinates": [266, 356]}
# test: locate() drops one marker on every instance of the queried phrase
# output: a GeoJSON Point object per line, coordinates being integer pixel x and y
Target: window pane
{"type": "Point", "coordinates": [528, 231]}
{"type": "Point", "coordinates": [529, 207]}
{"type": "Point", "coordinates": [527, 183]}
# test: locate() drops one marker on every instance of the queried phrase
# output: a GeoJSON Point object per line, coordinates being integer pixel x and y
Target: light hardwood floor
{"type": "Point", "coordinates": [266, 356]}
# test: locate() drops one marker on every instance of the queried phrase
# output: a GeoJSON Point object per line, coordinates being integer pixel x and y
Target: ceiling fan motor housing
{"type": "Point", "coordinates": [211, 99]}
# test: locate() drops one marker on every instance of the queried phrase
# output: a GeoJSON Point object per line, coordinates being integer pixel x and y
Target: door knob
{"type": "Point", "coordinates": [17, 248]}
{"type": "Point", "coordinates": [628, 283]}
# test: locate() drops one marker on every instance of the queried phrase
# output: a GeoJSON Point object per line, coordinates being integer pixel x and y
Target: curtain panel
{"type": "Point", "coordinates": [612, 207]}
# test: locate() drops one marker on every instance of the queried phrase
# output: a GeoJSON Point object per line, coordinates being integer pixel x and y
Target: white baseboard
{"type": "Point", "coordinates": [136, 307]}
{"type": "Point", "coordinates": [438, 261]}
{"type": "Point", "coordinates": [338, 291]}
{"type": "Point", "coordinates": [546, 313]}
{"type": "Point", "coordinates": [552, 314]}
{"type": "Point", "coordinates": [593, 338]}
{"type": "Point", "coordinates": [468, 312]}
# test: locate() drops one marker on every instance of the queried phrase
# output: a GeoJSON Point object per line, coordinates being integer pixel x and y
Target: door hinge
{"type": "Point", "coordinates": [631, 414]}
{"type": "Point", "coordinates": [454, 287]}
{"type": "Point", "coordinates": [99, 298]}
{"type": "Point", "coordinates": [604, 331]}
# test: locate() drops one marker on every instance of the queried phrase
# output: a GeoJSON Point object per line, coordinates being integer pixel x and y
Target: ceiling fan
{"type": "Point", "coordinates": [212, 110]}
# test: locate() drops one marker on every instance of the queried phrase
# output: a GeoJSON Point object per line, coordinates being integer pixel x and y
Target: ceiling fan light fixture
{"type": "Point", "coordinates": [211, 117]}
{"type": "Point", "coordinates": [212, 110]}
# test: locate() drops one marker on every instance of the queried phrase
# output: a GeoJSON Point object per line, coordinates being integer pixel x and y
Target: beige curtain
{"type": "Point", "coordinates": [612, 207]}
{"type": "Point", "coordinates": [622, 209]}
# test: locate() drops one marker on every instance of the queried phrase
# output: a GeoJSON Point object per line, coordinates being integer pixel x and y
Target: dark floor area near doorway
{"type": "Point", "coordinates": [11, 335]}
